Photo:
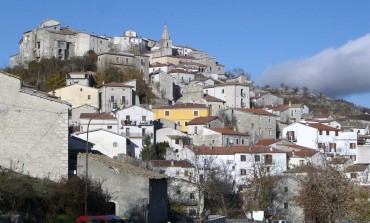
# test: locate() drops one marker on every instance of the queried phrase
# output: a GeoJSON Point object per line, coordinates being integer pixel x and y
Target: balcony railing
{"type": "Point", "coordinates": [137, 134]}
{"type": "Point", "coordinates": [136, 123]}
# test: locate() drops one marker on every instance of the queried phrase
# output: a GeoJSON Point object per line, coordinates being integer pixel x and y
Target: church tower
{"type": "Point", "coordinates": [166, 43]}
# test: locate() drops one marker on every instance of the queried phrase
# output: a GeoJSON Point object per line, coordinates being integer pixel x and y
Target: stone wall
{"type": "Point", "coordinates": [33, 131]}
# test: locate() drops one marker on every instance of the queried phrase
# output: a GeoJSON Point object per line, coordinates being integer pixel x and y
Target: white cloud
{"type": "Point", "coordinates": [336, 71]}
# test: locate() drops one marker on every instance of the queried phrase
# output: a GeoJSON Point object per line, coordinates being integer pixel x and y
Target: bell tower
{"type": "Point", "coordinates": [166, 43]}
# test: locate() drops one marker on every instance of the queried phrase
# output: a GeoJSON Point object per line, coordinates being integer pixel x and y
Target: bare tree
{"type": "Point", "coordinates": [327, 195]}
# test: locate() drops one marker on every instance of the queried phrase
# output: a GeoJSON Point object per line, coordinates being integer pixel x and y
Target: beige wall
{"type": "Point", "coordinates": [78, 95]}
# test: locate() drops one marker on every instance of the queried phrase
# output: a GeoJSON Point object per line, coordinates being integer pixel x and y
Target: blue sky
{"type": "Point", "coordinates": [271, 40]}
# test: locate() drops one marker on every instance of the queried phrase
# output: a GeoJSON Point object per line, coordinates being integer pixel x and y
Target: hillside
{"type": "Point", "coordinates": [320, 103]}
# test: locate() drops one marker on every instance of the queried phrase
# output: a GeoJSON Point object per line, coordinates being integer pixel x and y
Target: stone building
{"type": "Point", "coordinates": [124, 60]}
{"type": "Point", "coordinates": [34, 130]}
{"type": "Point", "coordinates": [133, 189]}
{"type": "Point", "coordinates": [258, 123]}
{"type": "Point", "coordinates": [50, 40]}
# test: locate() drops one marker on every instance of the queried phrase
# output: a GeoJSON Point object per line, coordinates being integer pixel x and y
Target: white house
{"type": "Point", "coordinates": [221, 137]}
{"type": "Point", "coordinates": [235, 95]}
{"type": "Point", "coordinates": [160, 67]}
{"type": "Point", "coordinates": [180, 169]}
{"type": "Point", "coordinates": [108, 143]}
{"type": "Point", "coordinates": [359, 173]}
{"type": "Point", "coordinates": [241, 162]}
{"type": "Point", "coordinates": [98, 121]}
{"type": "Point", "coordinates": [135, 123]}
{"type": "Point", "coordinates": [321, 137]}
{"type": "Point", "coordinates": [176, 140]}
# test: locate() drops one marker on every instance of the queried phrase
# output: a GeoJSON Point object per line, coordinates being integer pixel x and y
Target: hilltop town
{"type": "Point", "coordinates": [167, 125]}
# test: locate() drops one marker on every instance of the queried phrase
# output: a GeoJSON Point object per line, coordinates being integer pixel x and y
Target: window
{"type": "Point", "coordinates": [260, 119]}
{"type": "Point", "coordinates": [320, 132]}
{"type": "Point", "coordinates": [268, 169]}
{"type": "Point", "coordinates": [243, 158]}
{"type": "Point", "coordinates": [269, 120]}
{"type": "Point", "coordinates": [301, 162]}
{"type": "Point", "coordinates": [196, 113]}
{"type": "Point", "coordinates": [223, 91]}
{"type": "Point", "coordinates": [88, 97]}
{"type": "Point", "coordinates": [286, 205]}
{"type": "Point", "coordinates": [195, 129]}
{"type": "Point", "coordinates": [320, 145]}
{"type": "Point", "coordinates": [166, 113]}
{"type": "Point", "coordinates": [285, 189]}
{"type": "Point", "coordinates": [142, 62]}
{"type": "Point", "coordinates": [270, 132]}
{"type": "Point", "coordinates": [336, 133]}
{"type": "Point", "coordinates": [332, 147]}
{"type": "Point", "coordinates": [186, 173]}
{"type": "Point", "coordinates": [352, 145]}
{"type": "Point", "coordinates": [260, 131]}
{"type": "Point", "coordinates": [213, 141]}
{"type": "Point", "coordinates": [178, 122]}
{"type": "Point", "coordinates": [242, 141]}
{"type": "Point", "coordinates": [127, 117]}
{"type": "Point", "coordinates": [143, 118]}
{"type": "Point", "coordinates": [257, 158]}
{"type": "Point", "coordinates": [243, 172]}
{"type": "Point", "coordinates": [126, 60]}
{"type": "Point", "coordinates": [117, 59]}
{"type": "Point", "coordinates": [112, 98]}
{"type": "Point", "coordinates": [268, 159]}
{"type": "Point", "coordinates": [177, 141]}
{"type": "Point", "coordinates": [237, 141]}
{"type": "Point", "coordinates": [352, 157]}
{"type": "Point", "coordinates": [80, 89]}
{"type": "Point", "coordinates": [109, 127]}
{"type": "Point", "coordinates": [327, 132]}
{"type": "Point", "coordinates": [123, 100]}
{"type": "Point", "coordinates": [353, 175]}
{"type": "Point", "coordinates": [115, 144]}
{"type": "Point", "coordinates": [177, 173]}
{"type": "Point", "coordinates": [192, 196]}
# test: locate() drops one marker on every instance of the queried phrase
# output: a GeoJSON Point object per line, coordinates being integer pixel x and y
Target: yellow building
{"type": "Point", "coordinates": [181, 113]}
{"type": "Point", "coordinates": [78, 95]}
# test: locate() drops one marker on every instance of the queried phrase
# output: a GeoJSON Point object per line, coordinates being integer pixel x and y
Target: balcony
{"type": "Point", "coordinates": [136, 123]}
{"type": "Point", "coordinates": [137, 134]}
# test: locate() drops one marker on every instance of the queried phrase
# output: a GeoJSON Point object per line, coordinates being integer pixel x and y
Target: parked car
{"type": "Point", "coordinates": [281, 221]}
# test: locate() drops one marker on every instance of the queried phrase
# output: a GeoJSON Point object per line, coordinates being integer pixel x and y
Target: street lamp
{"type": "Point", "coordinates": [87, 157]}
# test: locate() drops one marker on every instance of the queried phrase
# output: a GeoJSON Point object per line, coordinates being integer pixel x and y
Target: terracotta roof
{"type": "Point", "coordinates": [96, 116]}
{"type": "Point", "coordinates": [227, 131]}
{"type": "Point", "coordinates": [338, 160]}
{"type": "Point", "coordinates": [115, 84]}
{"type": "Point", "coordinates": [357, 167]}
{"type": "Point", "coordinates": [182, 106]}
{"type": "Point", "coordinates": [320, 126]}
{"type": "Point", "coordinates": [256, 111]}
{"type": "Point", "coordinates": [172, 163]}
{"type": "Point", "coordinates": [277, 107]}
{"type": "Point", "coordinates": [267, 142]}
{"type": "Point", "coordinates": [321, 116]}
{"type": "Point", "coordinates": [208, 97]}
{"type": "Point", "coordinates": [184, 57]}
{"type": "Point", "coordinates": [193, 63]}
{"type": "Point", "coordinates": [181, 71]}
{"type": "Point", "coordinates": [207, 150]}
{"type": "Point", "coordinates": [202, 120]}
{"type": "Point", "coordinates": [303, 153]}
{"type": "Point", "coordinates": [159, 65]}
